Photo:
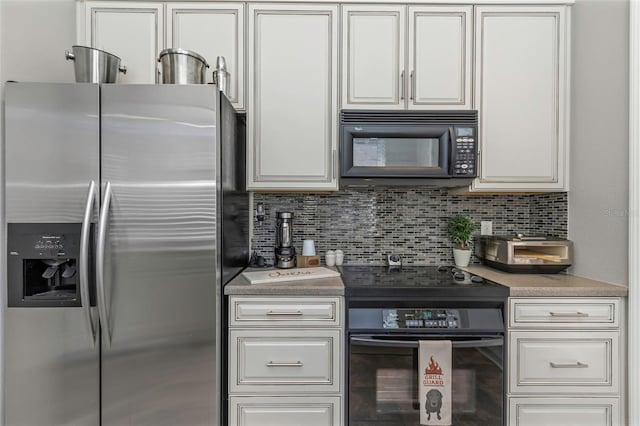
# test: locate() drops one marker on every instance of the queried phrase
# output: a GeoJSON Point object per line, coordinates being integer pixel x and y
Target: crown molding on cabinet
{"type": "Point", "coordinates": [421, 2]}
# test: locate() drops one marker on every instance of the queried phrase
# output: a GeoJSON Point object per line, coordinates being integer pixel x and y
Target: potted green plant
{"type": "Point", "coordinates": [461, 229]}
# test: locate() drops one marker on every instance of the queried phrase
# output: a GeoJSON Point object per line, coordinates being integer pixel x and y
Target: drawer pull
{"type": "Point", "coordinates": [569, 314]}
{"type": "Point", "coordinates": [577, 364]}
{"type": "Point", "coordinates": [284, 364]}
{"type": "Point", "coordinates": [297, 313]}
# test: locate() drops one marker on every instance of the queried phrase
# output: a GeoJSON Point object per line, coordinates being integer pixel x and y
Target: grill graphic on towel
{"type": "Point", "coordinates": [433, 368]}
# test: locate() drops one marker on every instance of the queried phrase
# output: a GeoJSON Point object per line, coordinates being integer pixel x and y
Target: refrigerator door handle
{"type": "Point", "coordinates": [102, 237]}
{"type": "Point", "coordinates": [84, 261]}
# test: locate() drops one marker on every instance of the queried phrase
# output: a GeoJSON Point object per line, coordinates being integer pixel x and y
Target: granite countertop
{"type": "Point", "coordinates": [307, 287]}
{"type": "Point", "coordinates": [549, 285]}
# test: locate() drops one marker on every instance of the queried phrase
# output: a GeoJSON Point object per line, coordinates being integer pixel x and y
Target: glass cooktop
{"type": "Point", "coordinates": [423, 281]}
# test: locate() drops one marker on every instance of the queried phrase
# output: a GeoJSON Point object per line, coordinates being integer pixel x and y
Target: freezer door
{"type": "Point", "coordinates": [160, 298]}
{"type": "Point", "coordinates": [51, 368]}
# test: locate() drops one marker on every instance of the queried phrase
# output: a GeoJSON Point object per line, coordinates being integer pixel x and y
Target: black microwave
{"type": "Point", "coordinates": [436, 148]}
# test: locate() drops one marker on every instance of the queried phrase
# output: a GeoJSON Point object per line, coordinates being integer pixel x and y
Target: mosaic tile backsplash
{"type": "Point", "coordinates": [369, 223]}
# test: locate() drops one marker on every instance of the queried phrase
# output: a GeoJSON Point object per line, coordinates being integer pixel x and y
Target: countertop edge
{"type": "Point", "coordinates": [549, 285]}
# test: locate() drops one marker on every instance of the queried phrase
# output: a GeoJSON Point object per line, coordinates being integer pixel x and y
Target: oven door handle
{"type": "Point", "coordinates": [478, 343]}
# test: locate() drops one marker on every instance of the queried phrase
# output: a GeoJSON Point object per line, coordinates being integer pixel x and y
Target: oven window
{"type": "Point", "coordinates": [396, 152]}
{"type": "Point", "coordinates": [383, 386]}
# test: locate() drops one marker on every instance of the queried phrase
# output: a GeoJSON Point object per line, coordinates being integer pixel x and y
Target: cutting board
{"type": "Point", "coordinates": [295, 274]}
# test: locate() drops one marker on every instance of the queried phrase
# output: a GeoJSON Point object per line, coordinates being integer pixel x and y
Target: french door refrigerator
{"type": "Point", "coordinates": [126, 212]}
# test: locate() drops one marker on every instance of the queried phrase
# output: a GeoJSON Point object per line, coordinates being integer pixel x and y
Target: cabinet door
{"type": "Point", "coordinates": [522, 93]}
{"type": "Point", "coordinates": [576, 362]}
{"type": "Point", "coordinates": [284, 311]}
{"type": "Point", "coordinates": [132, 31]}
{"type": "Point", "coordinates": [373, 57]}
{"type": "Point", "coordinates": [284, 361]}
{"type": "Point", "coordinates": [292, 114]}
{"type": "Point", "coordinates": [284, 411]}
{"type": "Point", "coordinates": [440, 57]}
{"type": "Point", "coordinates": [212, 30]}
{"type": "Point", "coordinates": [564, 411]}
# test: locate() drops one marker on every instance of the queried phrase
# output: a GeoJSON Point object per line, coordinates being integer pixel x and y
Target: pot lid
{"type": "Point", "coordinates": [177, 50]}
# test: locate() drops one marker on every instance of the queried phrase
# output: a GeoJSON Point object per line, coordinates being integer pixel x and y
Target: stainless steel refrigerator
{"type": "Point", "coordinates": [126, 212]}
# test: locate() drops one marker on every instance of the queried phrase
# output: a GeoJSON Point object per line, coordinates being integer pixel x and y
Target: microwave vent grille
{"type": "Point", "coordinates": [409, 117]}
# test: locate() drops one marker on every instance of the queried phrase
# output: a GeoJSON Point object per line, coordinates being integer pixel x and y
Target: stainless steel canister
{"type": "Point", "coordinates": [180, 66]}
{"type": "Point", "coordinates": [221, 75]}
{"type": "Point", "coordinates": [94, 65]}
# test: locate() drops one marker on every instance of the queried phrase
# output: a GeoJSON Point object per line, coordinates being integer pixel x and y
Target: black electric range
{"type": "Point", "coordinates": [418, 282]}
{"type": "Point", "coordinates": [390, 311]}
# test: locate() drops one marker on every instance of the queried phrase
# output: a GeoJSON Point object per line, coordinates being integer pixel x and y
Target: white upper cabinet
{"type": "Point", "coordinates": [440, 57]}
{"type": "Point", "coordinates": [522, 96]}
{"type": "Point", "coordinates": [211, 30]}
{"type": "Point", "coordinates": [292, 97]}
{"type": "Point", "coordinates": [131, 31]}
{"type": "Point", "coordinates": [373, 57]}
{"type": "Point", "coordinates": [389, 64]}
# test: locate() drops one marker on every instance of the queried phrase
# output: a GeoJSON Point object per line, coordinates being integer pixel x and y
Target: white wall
{"type": "Point", "coordinates": [35, 34]}
{"type": "Point", "coordinates": [598, 199]}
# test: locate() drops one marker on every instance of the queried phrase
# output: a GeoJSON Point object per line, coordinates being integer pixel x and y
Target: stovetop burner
{"type": "Point", "coordinates": [417, 281]}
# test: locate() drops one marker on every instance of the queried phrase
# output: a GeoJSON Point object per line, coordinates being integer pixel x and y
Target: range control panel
{"type": "Point", "coordinates": [420, 318]}
{"type": "Point", "coordinates": [465, 152]}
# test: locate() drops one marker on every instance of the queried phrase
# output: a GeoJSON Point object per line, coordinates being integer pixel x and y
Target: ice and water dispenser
{"type": "Point", "coordinates": [43, 264]}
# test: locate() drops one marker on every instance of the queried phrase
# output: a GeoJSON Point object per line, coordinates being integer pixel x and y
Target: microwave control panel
{"type": "Point", "coordinates": [465, 152]}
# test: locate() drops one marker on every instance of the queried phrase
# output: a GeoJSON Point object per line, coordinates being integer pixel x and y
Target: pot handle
{"type": "Point", "coordinates": [69, 56]}
{"type": "Point", "coordinates": [122, 69]}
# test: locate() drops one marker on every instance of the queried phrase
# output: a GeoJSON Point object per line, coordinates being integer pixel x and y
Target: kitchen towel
{"type": "Point", "coordinates": [434, 377]}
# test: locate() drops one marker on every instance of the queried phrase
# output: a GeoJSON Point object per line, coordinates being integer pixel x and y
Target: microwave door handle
{"type": "Point", "coordinates": [459, 344]}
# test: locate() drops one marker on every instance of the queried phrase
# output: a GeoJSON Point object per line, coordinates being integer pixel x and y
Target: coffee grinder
{"type": "Point", "coordinates": [285, 252]}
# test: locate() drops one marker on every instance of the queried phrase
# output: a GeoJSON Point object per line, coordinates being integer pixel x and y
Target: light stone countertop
{"type": "Point", "coordinates": [549, 285]}
{"type": "Point", "coordinates": [314, 287]}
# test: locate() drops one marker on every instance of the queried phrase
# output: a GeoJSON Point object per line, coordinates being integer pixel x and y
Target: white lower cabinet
{"type": "Point", "coordinates": [284, 411]}
{"type": "Point", "coordinates": [563, 412]}
{"type": "Point", "coordinates": [282, 361]}
{"type": "Point", "coordinates": [566, 358]}
{"type": "Point", "coordinates": [285, 361]}
{"type": "Point", "coordinates": [561, 362]}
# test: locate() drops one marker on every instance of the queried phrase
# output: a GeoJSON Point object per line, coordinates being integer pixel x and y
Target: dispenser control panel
{"type": "Point", "coordinates": [50, 242]}
{"type": "Point", "coordinates": [42, 264]}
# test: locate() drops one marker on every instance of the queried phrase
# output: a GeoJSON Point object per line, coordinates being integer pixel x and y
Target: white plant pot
{"type": "Point", "coordinates": [461, 257]}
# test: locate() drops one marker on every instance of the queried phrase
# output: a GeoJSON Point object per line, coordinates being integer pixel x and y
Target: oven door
{"type": "Point", "coordinates": [383, 379]}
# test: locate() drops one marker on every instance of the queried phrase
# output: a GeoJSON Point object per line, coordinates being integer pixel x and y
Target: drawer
{"type": "Point", "coordinates": [564, 362]}
{"type": "Point", "coordinates": [284, 411]}
{"type": "Point", "coordinates": [563, 313]}
{"type": "Point", "coordinates": [284, 361]}
{"type": "Point", "coordinates": [564, 412]}
{"type": "Point", "coordinates": [288, 312]}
